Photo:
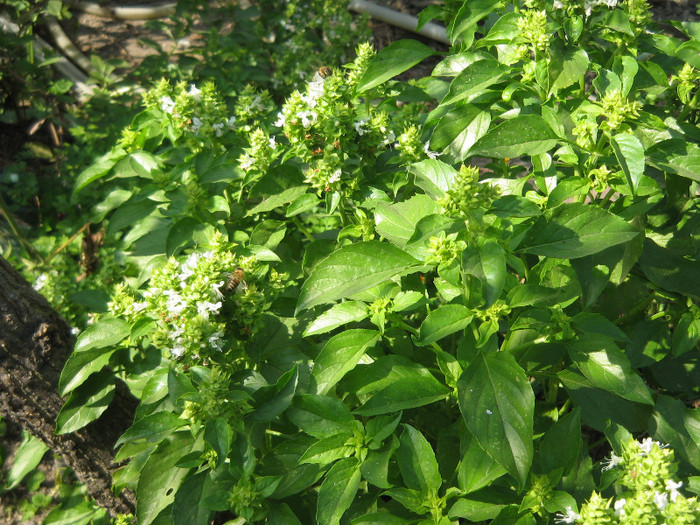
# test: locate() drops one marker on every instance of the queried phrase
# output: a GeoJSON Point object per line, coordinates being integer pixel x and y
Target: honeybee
{"type": "Point", "coordinates": [325, 71]}
{"type": "Point", "coordinates": [235, 282]}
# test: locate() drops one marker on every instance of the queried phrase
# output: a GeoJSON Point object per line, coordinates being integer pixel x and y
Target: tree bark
{"type": "Point", "coordinates": [35, 342]}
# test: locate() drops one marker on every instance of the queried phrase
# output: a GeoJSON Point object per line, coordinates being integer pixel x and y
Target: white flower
{"type": "Point", "coordinates": [672, 487]}
{"type": "Point", "coordinates": [281, 119]}
{"type": "Point", "coordinates": [255, 104]}
{"type": "Point", "coordinates": [40, 282]}
{"type": "Point", "coordinates": [196, 124]}
{"type": "Point", "coordinates": [618, 505]}
{"type": "Point", "coordinates": [335, 177]}
{"type": "Point", "coordinates": [647, 444]}
{"type": "Point", "coordinates": [204, 308]}
{"type": "Point", "coordinates": [316, 87]}
{"type": "Point", "coordinates": [569, 517]}
{"type": "Point", "coordinates": [360, 126]}
{"type": "Point", "coordinates": [195, 92]}
{"type": "Point", "coordinates": [167, 104]}
{"type": "Point", "coordinates": [175, 304]}
{"type": "Point", "coordinates": [489, 412]}
{"type": "Point", "coordinates": [217, 291]}
{"type": "Point", "coordinates": [661, 500]}
{"type": "Point", "coordinates": [612, 462]}
{"type": "Point", "coordinates": [177, 350]}
{"type": "Point", "coordinates": [558, 5]}
{"type": "Point", "coordinates": [139, 306]}
{"type": "Point", "coordinates": [216, 341]}
{"type": "Point", "coordinates": [307, 117]}
{"type": "Point", "coordinates": [231, 122]}
{"type": "Point", "coordinates": [13, 177]}
{"type": "Point", "coordinates": [246, 162]}
{"type": "Point", "coordinates": [218, 129]}
{"type": "Point", "coordinates": [272, 142]}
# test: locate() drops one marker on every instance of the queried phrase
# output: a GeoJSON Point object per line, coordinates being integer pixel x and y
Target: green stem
{"type": "Point", "coordinates": [303, 229]}
{"type": "Point", "coordinates": [15, 230]}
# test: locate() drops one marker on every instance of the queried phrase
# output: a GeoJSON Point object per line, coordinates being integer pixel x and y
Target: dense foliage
{"type": "Point", "coordinates": [456, 299]}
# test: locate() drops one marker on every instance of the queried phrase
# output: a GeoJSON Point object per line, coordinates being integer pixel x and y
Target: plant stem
{"type": "Point", "coordinates": [15, 229]}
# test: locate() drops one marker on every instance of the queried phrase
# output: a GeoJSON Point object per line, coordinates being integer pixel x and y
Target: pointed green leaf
{"type": "Point", "coordinates": [271, 401]}
{"type": "Point", "coordinates": [567, 67]}
{"type": "Point", "coordinates": [486, 262]}
{"type": "Point", "coordinates": [576, 230]}
{"type": "Point", "coordinates": [353, 269]}
{"type": "Point", "coordinates": [86, 403]}
{"type": "Point", "coordinates": [391, 61]}
{"type": "Point", "coordinates": [497, 402]}
{"type": "Point", "coordinates": [445, 320]}
{"type": "Point", "coordinates": [397, 222]}
{"type": "Point", "coordinates": [27, 457]}
{"type": "Point", "coordinates": [320, 416]}
{"type": "Point", "coordinates": [630, 154]}
{"type": "Point", "coordinates": [417, 463]}
{"type": "Point", "coordinates": [393, 383]}
{"type": "Point", "coordinates": [152, 428]}
{"type": "Point", "coordinates": [338, 315]}
{"type": "Point", "coordinates": [338, 491]}
{"type": "Point", "coordinates": [340, 355]}
{"type": "Point", "coordinates": [473, 80]}
{"type": "Point", "coordinates": [160, 479]}
{"type": "Point", "coordinates": [608, 368]}
{"type": "Point", "coordinates": [434, 177]}
{"type": "Point", "coordinates": [459, 129]}
{"type": "Point", "coordinates": [80, 366]}
{"type": "Point", "coordinates": [521, 135]}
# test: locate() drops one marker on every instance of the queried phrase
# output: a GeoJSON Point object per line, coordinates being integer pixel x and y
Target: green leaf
{"type": "Point", "coordinates": [106, 332]}
{"type": "Point", "coordinates": [434, 177]}
{"type": "Point", "coordinates": [186, 508]}
{"type": "Point", "coordinates": [160, 478]}
{"type": "Point", "coordinates": [271, 401]}
{"type": "Point", "coordinates": [338, 315]}
{"type": "Point", "coordinates": [686, 334]}
{"type": "Point", "coordinates": [392, 60]}
{"type": "Point", "coordinates": [375, 467]}
{"type": "Point", "coordinates": [81, 513]}
{"type": "Point", "coordinates": [473, 80]}
{"type": "Point", "coordinates": [576, 230]}
{"type": "Point", "coordinates": [98, 169]}
{"type": "Point", "coordinates": [281, 514]}
{"type": "Point", "coordinates": [521, 135]}
{"type": "Point", "coordinates": [443, 321]}
{"type": "Point", "coordinates": [86, 403]}
{"type": "Point", "coordinates": [275, 201]}
{"type": "Point", "coordinates": [413, 500]}
{"type": "Point", "coordinates": [486, 262]}
{"type": "Point", "coordinates": [567, 67]}
{"type": "Point", "coordinates": [670, 270]}
{"type": "Point", "coordinates": [671, 423]}
{"type": "Point", "coordinates": [459, 129]}
{"type": "Point", "coordinates": [497, 403]}
{"type": "Point", "coordinates": [560, 446]}
{"type": "Point", "coordinates": [320, 416]}
{"type": "Point", "coordinates": [353, 269]}
{"type": "Point", "coordinates": [27, 457]}
{"type": "Point", "coordinates": [340, 355]}
{"type": "Point", "coordinates": [607, 367]}
{"type": "Point", "coordinates": [476, 468]}
{"type": "Point", "coordinates": [392, 383]}
{"type": "Point", "coordinates": [152, 428]}
{"type": "Point", "coordinates": [679, 156]}
{"type": "Point", "coordinates": [338, 491]}
{"type": "Point", "coordinates": [465, 21]}
{"type": "Point", "coordinates": [417, 463]}
{"type": "Point", "coordinates": [327, 450]}
{"type": "Point", "coordinates": [599, 406]}
{"type": "Point", "coordinates": [80, 366]}
{"type": "Point", "coordinates": [397, 222]}
{"type": "Point", "coordinates": [630, 154]}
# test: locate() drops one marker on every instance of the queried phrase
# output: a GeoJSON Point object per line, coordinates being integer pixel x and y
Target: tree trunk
{"type": "Point", "coordinates": [35, 342]}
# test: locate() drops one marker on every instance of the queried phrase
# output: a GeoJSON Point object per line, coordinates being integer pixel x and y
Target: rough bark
{"type": "Point", "coordinates": [34, 344]}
